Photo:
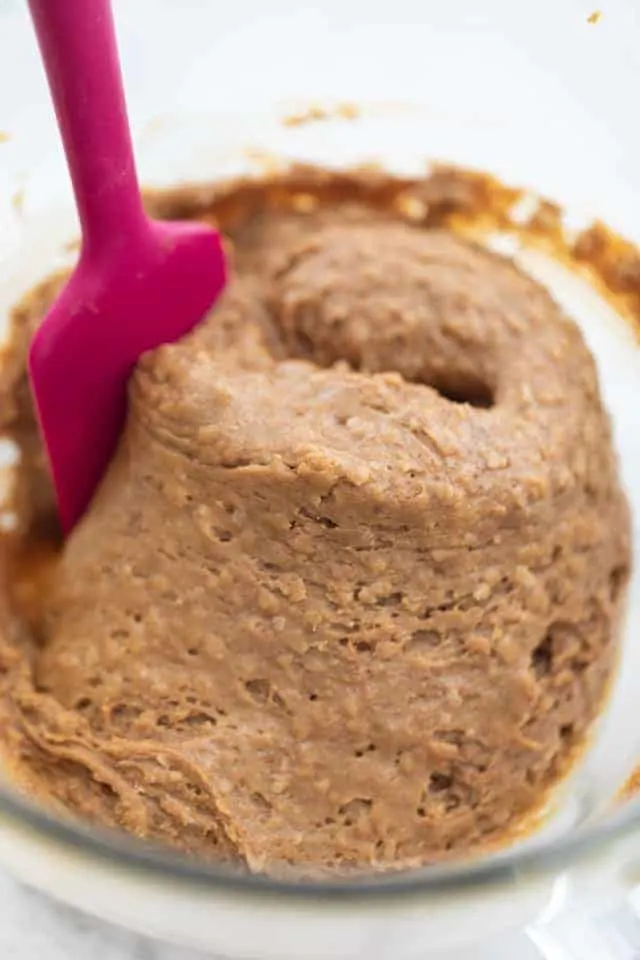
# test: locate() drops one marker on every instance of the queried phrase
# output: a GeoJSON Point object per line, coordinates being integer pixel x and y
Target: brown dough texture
{"type": "Point", "coordinates": [348, 597]}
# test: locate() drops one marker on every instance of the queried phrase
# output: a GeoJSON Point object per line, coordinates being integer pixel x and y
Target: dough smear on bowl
{"type": "Point", "coordinates": [348, 596]}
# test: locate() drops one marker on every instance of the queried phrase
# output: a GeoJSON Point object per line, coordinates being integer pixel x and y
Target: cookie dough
{"type": "Point", "coordinates": [348, 596]}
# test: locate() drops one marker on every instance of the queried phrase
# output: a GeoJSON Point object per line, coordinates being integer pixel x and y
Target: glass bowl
{"type": "Point", "coordinates": [540, 96]}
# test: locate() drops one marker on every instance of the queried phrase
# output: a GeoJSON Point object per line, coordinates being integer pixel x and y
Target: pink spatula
{"type": "Point", "coordinates": [138, 283]}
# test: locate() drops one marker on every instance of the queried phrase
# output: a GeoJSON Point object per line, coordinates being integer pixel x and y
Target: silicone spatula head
{"type": "Point", "coordinates": [138, 282]}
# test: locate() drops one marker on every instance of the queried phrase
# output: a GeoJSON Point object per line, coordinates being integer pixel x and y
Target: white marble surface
{"type": "Point", "coordinates": [32, 927]}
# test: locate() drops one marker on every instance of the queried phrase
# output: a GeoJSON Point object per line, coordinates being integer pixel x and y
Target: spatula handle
{"type": "Point", "coordinates": [78, 46]}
